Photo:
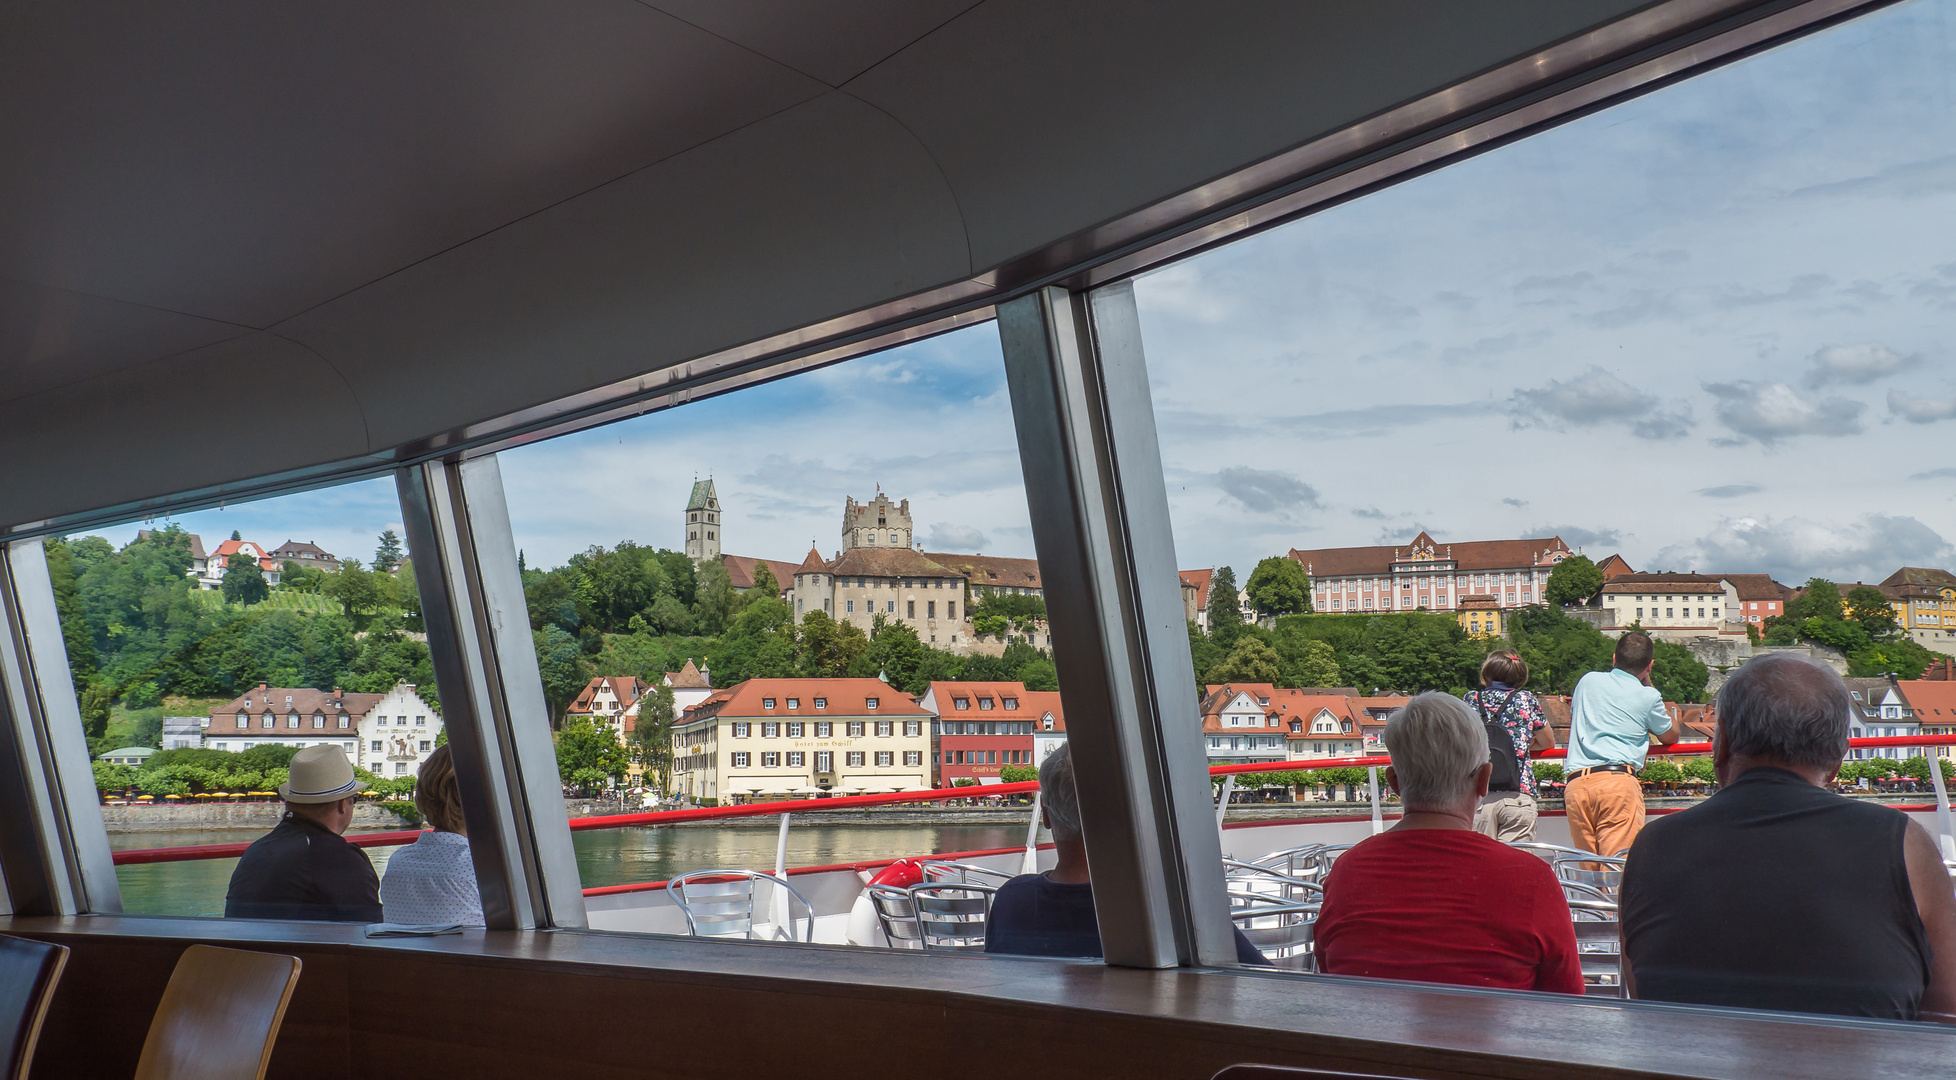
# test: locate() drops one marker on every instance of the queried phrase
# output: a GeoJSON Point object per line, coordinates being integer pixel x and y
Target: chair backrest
{"type": "Point", "coordinates": [895, 911]}
{"type": "Point", "coordinates": [29, 971]}
{"type": "Point", "coordinates": [720, 903]}
{"type": "Point", "coordinates": [1291, 861]}
{"type": "Point", "coordinates": [219, 1016]}
{"type": "Point", "coordinates": [1283, 933]}
{"type": "Point", "coordinates": [938, 871]}
{"type": "Point", "coordinates": [1597, 871]}
{"type": "Point", "coordinates": [951, 917]}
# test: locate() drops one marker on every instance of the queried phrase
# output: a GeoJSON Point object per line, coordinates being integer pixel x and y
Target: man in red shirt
{"type": "Point", "coordinates": [1431, 900]}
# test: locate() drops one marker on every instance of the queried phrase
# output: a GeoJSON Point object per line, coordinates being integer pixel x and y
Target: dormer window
{"type": "Point", "coordinates": [961, 703]}
{"type": "Point", "coordinates": [1263, 701]}
{"type": "Point", "coordinates": [767, 703]}
{"type": "Point", "coordinates": [1011, 703]}
{"type": "Point", "coordinates": [794, 703]}
{"type": "Point", "coordinates": [1047, 720]}
{"type": "Point", "coordinates": [870, 704]}
{"type": "Point", "coordinates": [821, 703]}
{"type": "Point", "coordinates": [984, 704]}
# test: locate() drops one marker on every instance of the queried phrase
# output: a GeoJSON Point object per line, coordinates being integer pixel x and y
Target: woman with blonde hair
{"type": "Point", "coordinates": [1515, 727]}
{"type": "Point", "coordinates": [432, 881]}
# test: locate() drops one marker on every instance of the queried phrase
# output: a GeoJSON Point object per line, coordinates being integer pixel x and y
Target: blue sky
{"type": "Point", "coordinates": [1709, 329]}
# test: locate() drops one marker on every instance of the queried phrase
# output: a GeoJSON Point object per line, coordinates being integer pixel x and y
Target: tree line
{"type": "Point", "coordinates": [138, 630]}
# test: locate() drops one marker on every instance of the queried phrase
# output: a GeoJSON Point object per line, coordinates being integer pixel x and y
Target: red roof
{"type": "Point", "coordinates": [1200, 580]}
{"type": "Point", "coordinates": [626, 688]}
{"type": "Point", "coordinates": [742, 568]}
{"type": "Point", "coordinates": [994, 570]}
{"type": "Point", "coordinates": [813, 564]}
{"type": "Point", "coordinates": [1614, 565]}
{"type": "Point", "coordinates": [1932, 701]}
{"type": "Point", "coordinates": [687, 678]}
{"type": "Point", "coordinates": [230, 547]}
{"type": "Point", "coordinates": [305, 702]}
{"type": "Point", "coordinates": [1284, 704]}
{"type": "Point", "coordinates": [1757, 586]}
{"type": "Point", "coordinates": [1467, 556]}
{"type": "Point", "coordinates": [843, 697]}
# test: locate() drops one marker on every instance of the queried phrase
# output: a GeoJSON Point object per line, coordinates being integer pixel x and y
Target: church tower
{"type": "Point", "coordinates": [703, 523]}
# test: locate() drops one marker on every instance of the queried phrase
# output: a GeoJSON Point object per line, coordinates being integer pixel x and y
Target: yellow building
{"type": "Point", "coordinates": [1924, 600]}
{"type": "Point", "coordinates": [786, 738]}
{"type": "Point", "coordinates": [1480, 615]}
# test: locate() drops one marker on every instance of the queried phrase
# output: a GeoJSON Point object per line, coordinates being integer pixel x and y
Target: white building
{"type": "Point", "coordinates": [387, 734]}
{"type": "Point", "coordinates": [1430, 575]}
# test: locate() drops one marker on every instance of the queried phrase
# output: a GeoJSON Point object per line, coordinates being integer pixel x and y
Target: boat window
{"type": "Point", "coordinates": [619, 589]}
{"type": "Point", "coordinates": [177, 632]}
{"type": "Point", "coordinates": [1723, 273]}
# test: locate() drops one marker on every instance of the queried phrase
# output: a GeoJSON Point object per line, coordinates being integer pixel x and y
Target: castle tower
{"type": "Point", "coordinates": [703, 523]}
{"type": "Point", "coordinates": [876, 524]}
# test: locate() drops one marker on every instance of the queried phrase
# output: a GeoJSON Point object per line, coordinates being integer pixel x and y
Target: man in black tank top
{"type": "Point", "coordinates": [1776, 893]}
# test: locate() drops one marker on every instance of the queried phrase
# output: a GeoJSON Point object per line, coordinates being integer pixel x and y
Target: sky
{"type": "Point", "coordinates": [1709, 329]}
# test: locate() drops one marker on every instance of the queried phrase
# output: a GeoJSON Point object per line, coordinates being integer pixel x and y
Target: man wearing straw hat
{"type": "Point", "coordinates": [303, 868]}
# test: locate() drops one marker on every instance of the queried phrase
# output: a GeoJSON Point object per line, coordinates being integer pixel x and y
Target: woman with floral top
{"type": "Point", "coordinates": [1507, 811]}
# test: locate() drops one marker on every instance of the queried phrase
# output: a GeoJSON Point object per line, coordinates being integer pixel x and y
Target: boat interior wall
{"type": "Point", "coordinates": [521, 1004]}
{"type": "Point", "coordinates": [416, 220]}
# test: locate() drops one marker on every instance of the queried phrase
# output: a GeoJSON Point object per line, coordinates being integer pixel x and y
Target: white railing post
{"type": "Point", "coordinates": [1222, 807]}
{"type": "Point", "coordinates": [1030, 864]}
{"type": "Point", "coordinates": [1372, 788]}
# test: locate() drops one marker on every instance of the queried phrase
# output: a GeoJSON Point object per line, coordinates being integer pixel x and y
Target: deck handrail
{"type": "Point", "coordinates": [138, 856]}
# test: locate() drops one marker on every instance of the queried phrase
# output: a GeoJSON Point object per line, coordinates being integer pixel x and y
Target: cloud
{"type": "Point", "coordinates": [1795, 549]}
{"type": "Point", "coordinates": [945, 536]}
{"type": "Point", "coordinates": [1768, 412]}
{"type": "Point", "coordinates": [1856, 365]}
{"type": "Point", "coordinates": [1579, 536]}
{"type": "Point", "coordinates": [1935, 474]}
{"type": "Point", "coordinates": [1371, 514]}
{"type": "Point", "coordinates": [1266, 492]}
{"type": "Point", "coordinates": [1597, 397]}
{"type": "Point", "coordinates": [1920, 410]}
{"type": "Point", "coordinates": [1729, 491]}
{"type": "Point", "coordinates": [1516, 503]}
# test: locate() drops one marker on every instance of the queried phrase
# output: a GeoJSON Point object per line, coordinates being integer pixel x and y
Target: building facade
{"type": "Point", "coordinates": [979, 728]}
{"type": "Point", "coordinates": [184, 732]}
{"type": "Point", "coordinates": [878, 523]}
{"type": "Point", "coordinates": [1672, 607]}
{"type": "Point", "coordinates": [1195, 598]}
{"type": "Point", "coordinates": [703, 522]}
{"type": "Point", "coordinates": [208, 572]}
{"type": "Point", "coordinates": [769, 739]}
{"type": "Point", "coordinates": [309, 555]}
{"type": "Point", "coordinates": [993, 575]}
{"type": "Point", "coordinates": [388, 734]}
{"type": "Point", "coordinates": [1924, 600]}
{"type": "Point", "coordinates": [604, 701]}
{"type": "Point", "coordinates": [897, 584]}
{"type": "Point", "coordinates": [1480, 615]}
{"type": "Point", "coordinates": [1429, 575]}
{"type": "Point", "coordinates": [1757, 597]}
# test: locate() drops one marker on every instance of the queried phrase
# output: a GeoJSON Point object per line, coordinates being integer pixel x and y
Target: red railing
{"type": "Point", "coordinates": [846, 802]}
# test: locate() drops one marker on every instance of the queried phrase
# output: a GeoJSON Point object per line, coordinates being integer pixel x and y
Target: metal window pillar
{"type": "Point", "coordinates": [54, 852]}
{"type": "Point", "coordinates": [493, 708]}
{"type": "Point", "coordinates": [1100, 524]}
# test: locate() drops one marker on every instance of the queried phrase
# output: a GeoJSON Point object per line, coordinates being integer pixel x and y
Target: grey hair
{"type": "Point", "coordinates": [1057, 795]}
{"type": "Point", "coordinates": [1437, 746]}
{"type": "Point", "coordinates": [1785, 708]}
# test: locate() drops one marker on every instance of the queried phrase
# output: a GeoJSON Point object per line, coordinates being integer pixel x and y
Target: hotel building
{"type": "Point", "coordinates": [784, 738]}
{"type": "Point", "coordinates": [1430, 575]}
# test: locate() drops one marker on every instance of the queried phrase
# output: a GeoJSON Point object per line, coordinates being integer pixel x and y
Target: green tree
{"type": "Point", "coordinates": [1917, 768]}
{"type": "Point", "coordinates": [1901, 657]}
{"type": "Point", "coordinates": [1278, 586]}
{"type": "Point", "coordinates": [1822, 601]}
{"type": "Point", "coordinates": [354, 588]}
{"type": "Point", "coordinates": [1251, 661]}
{"type": "Point", "coordinates": [388, 552]}
{"type": "Point", "coordinates": [97, 704]}
{"type": "Point", "coordinates": [1866, 606]}
{"type": "Point", "coordinates": [1701, 769]}
{"type": "Point", "coordinates": [828, 648]}
{"type": "Point", "coordinates": [1017, 774]}
{"type": "Point", "coordinates": [1205, 654]}
{"type": "Point", "coordinates": [1662, 770]}
{"type": "Point", "coordinates": [653, 734]}
{"type": "Point", "coordinates": [1548, 772]}
{"type": "Point", "coordinates": [1225, 607]}
{"type": "Point", "coordinates": [589, 757]}
{"type": "Point", "coordinates": [300, 579]}
{"type": "Point", "coordinates": [1677, 674]}
{"type": "Point", "coordinates": [563, 667]}
{"type": "Point", "coordinates": [112, 779]}
{"type": "Point", "coordinates": [764, 582]}
{"type": "Point", "coordinates": [1039, 674]}
{"type": "Point", "coordinates": [713, 607]}
{"type": "Point", "coordinates": [1573, 581]}
{"type": "Point", "coordinates": [244, 580]}
{"type": "Point", "coordinates": [1315, 665]}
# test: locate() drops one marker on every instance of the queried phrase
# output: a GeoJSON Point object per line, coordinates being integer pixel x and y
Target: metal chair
{"type": "Point", "coordinates": [951, 917]}
{"type": "Point", "coordinates": [1290, 861]}
{"type": "Point", "coordinates": [898, 916]}
{"type": "Point", "coordinates": [943, 871]}
{"type": "Point", "coordinates": [219, 1016]}
{"type": "Point", "coordinates": [1599, 946]}
{"type": "Point", "coordinates": [29, 972]}
{"type": "Point", "coordinates": [1282, 932]}
{"type": "Point", "coordinates": [720, 903]}
{"type": "Point", "coordinates": [1265, 882]}
{"type": "Point", "coordinates": [1603, 872]}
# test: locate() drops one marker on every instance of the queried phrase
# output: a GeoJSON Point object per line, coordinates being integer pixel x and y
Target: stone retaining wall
{"type": "Point", "coordinates": [264, 815]}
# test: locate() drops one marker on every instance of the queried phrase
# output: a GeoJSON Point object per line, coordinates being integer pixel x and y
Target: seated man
{"type": "Point", "coordinates": [303, 868]}
{"type": "Point", "coordinates": [1432, 900]}
{"type": "Point", "coordinates": [1776, 893]}
{"type": "Point", "coordinates": [1051, 914]}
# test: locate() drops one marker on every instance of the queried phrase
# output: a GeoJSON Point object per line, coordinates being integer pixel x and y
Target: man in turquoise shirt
{"type": "Point", "coordinates": [1612, 717]}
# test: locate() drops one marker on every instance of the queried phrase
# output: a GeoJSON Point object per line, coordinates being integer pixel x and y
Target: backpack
{"type": "Point", "coordinates": [1500, 747]}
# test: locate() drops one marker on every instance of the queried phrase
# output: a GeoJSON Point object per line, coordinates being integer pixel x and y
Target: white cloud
{"type": "Point", "coordinates": [945, 536]}
{"type": "Point", "coordinates": [1920, 410]}
{"type": "Point", "coordinates": [1598, 397]}
{"type": "Point", "coordinates": [1795, 549]}
{"type": "Point", "coordinates": [1856, 365]}
{"type": "Point", "coordinates": [1580, 536]}
{"type": "Point", "coordinates": [1729, 491]}
{"type": "Point", "coordinates": [1266, 492]}
{"type": "Point", "coordinates": [1769, 412]}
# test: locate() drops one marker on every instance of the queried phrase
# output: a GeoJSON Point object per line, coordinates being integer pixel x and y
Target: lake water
{"type": "Point", "coordinates": [604, 856]}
